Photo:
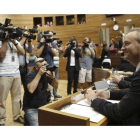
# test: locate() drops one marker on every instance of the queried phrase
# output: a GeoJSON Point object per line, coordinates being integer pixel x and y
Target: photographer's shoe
{"type": "Point", "coordinates": [58, 96]}
{"type": "Point", "coordinates": [55, 99]}
{"type": "Point", "coordinates": [20, 120]}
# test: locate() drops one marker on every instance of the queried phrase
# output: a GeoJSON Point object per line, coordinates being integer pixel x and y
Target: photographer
{"type": "Point", "coordinates": [86, 63]}
{"type": "Point", "coordinates": [23, 59]}
{"type": "Point", "coordinates": [10, 78]}
{"type": "Point", "coordinates": [47, 50]}
{"type": "Point", "coordinates": [37, 92]}
{"type": "Point", "coordinates": [56, 63]}
{"type": "Point", "coordinates": [72, 53]}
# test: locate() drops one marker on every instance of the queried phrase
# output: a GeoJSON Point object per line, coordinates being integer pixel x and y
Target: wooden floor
{"type": "Point", "coordinates": [62, 90]}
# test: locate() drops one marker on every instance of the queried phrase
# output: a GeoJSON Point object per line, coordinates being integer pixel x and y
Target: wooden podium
{"type": "Point", "coordinates": [49, 115]}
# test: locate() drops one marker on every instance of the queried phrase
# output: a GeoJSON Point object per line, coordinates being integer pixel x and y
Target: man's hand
{"type": "Point", "coordinates": [42, 40]}
{"type": "Point", "coordinates": [91, 94]}
{"type": "Point", "coordinates": [42, 70]}
{"type": "Point", "coordinates": [116, 79]}
{"type": "Point", "coordinates": [50, 45]}
{"type": "Point", "coordinates": [49, 74]}
{"type": "Point", "coordinates": [102, 94]}
{"type": "Point", "coordinates": [13, 41]}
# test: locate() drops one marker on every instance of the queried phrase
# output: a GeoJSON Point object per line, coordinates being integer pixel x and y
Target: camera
{"type": "Point", "coordinates": [85, 44]}
{"type": "Point", "coordinates": [59, 42]}
{"type": "Point", "coordinates": [51, 68]}
{"type": "Point", "coordinates": [7, 31]}
{"type": "Point", "coordinates": [71, 43]}
{"type": "Point", "coordinates": [48, 39]}
{"type": "Point", "coordinates": [31, 32]}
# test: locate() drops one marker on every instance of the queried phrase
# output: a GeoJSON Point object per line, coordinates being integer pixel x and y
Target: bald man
{"type": "Point", "coordinates": [127, 111]}
{"type": "Point", "coordinates": [37, 92]}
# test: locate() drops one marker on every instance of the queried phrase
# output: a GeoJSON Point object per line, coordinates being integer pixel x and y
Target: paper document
{"type": "Point", "coordinates": [85, 102]}
{"type": "Point", "coordinates": [82, 108]}
{"type": "Point", "coordinates": [84, 111]}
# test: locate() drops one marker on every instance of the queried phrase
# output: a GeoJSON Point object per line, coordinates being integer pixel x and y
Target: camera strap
{"type": "Point", "coordinates": [13, 57]}
{"type": "Point", "coordinates": [25, 58]}
{"type": "Point", "coordinates": [10, 47]}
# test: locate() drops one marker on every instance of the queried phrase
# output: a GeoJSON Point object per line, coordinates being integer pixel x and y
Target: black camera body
{"type": "Point", "coordinates": [85, 44]}
{"type": "Point", "coordinates": [48, 39]}
{"type": "Point", "coordinates": [59, 42]}
{"type": "Point", "coordinates": [31, 32]}
{"type": "Point", "coordinates": [51, 68]}
{"type": "Point", "coordinates": [12, 32]}
{"type": "Point", "coordinates": [71, 43]}
{"type": "Point", "coordinates": [31, 36]}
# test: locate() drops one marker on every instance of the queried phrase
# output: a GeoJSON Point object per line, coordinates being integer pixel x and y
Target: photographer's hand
{"type": "Point", "coordinates": [18, 46]}
{"type": "Point", "coordinates": [42, 70]}
{"type": "Point", "coordinates": [3, 50]}
{"type": "Point", "coordinates": [40, 50]}
{"type": "Point", "coordinates": [49, 74]}
{"type": "Point", "coordinates": [13, 41]}
{"type": "Point", "coordinates": [22, 41]}
{"type": "Point", "coordinates": [42, 41]}
{"type": "Point", "coordinates": [54, 81]}
{"type": "Point", "coordinates": [53, 51]}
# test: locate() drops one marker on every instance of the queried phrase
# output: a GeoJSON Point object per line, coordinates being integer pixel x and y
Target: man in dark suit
{"type": "Point", "coordinates": [127, 111]}
{"type": "Point", "coordinates": [73, 54]}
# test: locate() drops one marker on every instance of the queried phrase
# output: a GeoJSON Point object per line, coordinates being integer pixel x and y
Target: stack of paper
{"type": "Point", "coordinates": [82, 108]}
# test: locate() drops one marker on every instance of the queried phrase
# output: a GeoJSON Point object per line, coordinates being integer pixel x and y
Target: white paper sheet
{"type": "Point", "coordinates": [84, 111]}
{"type": "Point", "coordinates": [82, 108]}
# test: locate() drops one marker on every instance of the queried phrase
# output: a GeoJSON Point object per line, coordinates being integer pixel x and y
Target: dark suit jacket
{"type": "Point", "coordinates": [128, 109]}
{"type": "Point", "coordinates": [105, 52]}
{"type": "Point", "coordinates": [77, 55]}
{"type": "Point", "coordinates": [126, 83]}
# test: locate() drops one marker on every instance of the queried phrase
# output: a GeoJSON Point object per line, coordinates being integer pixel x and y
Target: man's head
{"type": "Point", "coordinates": [131, 46]}
{"type": "Point", "coordinates": [86, 39]}
{"type": "Point", "coordinates": [39, 62]}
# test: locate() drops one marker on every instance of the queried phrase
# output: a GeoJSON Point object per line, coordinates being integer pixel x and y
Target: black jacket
{"type": "Point", "coordinates": [105, 52]}
{"type": "Point", "coordinates": [77, 55]}
{"type": "Point", "coordinates": [128, 109]}
{"type": "Point", "coordinates": [126, 83]}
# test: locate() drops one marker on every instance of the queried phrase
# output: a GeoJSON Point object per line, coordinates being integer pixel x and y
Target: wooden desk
{"type": "Point", "coordinates": [49, 115]}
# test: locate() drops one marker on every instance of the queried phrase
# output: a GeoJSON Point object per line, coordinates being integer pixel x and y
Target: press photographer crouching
{"type": "Point", "coordinates": [37, 91]}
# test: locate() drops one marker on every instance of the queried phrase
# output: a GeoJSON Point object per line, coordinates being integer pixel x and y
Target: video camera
{"type": "Point", "coordinates": [85, 44]}
{"type": "Point", "coordinates": [7, 31]}
{"type": "Point", "coordinates": [59, 42]}
{"type": "Point", "coordinates": [48, 39]}
{"type": "Point", "coordinates": [31, 32]}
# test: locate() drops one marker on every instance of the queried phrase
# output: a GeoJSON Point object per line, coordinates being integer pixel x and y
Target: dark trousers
{"type": "Point", "coordinates": [23, 75]}
{"type": "Point", "coordinates": [72, 75]}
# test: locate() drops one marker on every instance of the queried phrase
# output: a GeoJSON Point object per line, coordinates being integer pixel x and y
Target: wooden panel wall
{"type": "Point", "coordinates": [90, 29]}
